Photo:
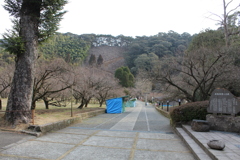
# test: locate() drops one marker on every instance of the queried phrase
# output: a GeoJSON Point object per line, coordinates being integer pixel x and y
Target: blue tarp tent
{"type": "Point", "coordinates": [131, 103]}
{"type": "Point", "coordinates": [115, 105]}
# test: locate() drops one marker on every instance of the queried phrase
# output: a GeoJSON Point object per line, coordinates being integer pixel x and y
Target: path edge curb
{"type": "Point", "coordinates": [39, 130]}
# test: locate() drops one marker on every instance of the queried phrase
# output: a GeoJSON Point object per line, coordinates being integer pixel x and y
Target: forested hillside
{"type": "Point", "coordinates": [72, 48]}
{"type": "Point", "coordinates": [116, 51]}
{"type": "Point", "coordinates": [144, 50]}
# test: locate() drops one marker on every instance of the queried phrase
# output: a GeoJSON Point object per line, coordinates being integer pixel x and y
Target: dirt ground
{"type": "Point", "coordinates": [45, 116]}
{"type": "Point", "coordinates": [48, 116]}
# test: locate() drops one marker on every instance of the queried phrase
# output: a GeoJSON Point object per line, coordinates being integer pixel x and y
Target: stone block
{"type": "Point", "coordinates": [216, 144]}
{"type": "Point", "coordinates": [224, 123]}
{"type": "Point", "coordinates": [200, 125]}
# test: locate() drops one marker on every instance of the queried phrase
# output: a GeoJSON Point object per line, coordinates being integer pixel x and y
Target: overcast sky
{"type": "Point", "coordinates": [134, 17]}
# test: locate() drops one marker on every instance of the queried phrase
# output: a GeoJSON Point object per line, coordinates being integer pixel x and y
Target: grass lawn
{"type": "Point", "coordinates": [54, 114]}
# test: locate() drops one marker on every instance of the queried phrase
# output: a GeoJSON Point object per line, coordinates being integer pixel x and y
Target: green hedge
{"type": "Point", "coordinates": [187, 112]}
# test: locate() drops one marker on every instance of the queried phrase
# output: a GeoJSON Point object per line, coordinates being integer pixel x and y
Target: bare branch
{"type": "Point", "coordinates": [214, 14]}
{"type": "Point", "coordinates": [233, 10]}
{"type": "Point", "coordinates": [224, 2]}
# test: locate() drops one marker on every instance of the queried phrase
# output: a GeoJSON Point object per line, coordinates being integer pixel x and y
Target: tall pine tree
{"type": "Point", "coordinates": [100, 60]}
{"type": "Point", "coordinates": [92, 60]}
{"type": "Point", "coordinates": [34, 22]}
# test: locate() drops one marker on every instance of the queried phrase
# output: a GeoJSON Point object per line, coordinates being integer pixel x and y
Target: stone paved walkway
{"type": "Point", "coordinates": [141, 133]}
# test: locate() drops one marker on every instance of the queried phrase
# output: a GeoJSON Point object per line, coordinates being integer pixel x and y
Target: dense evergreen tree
{"type": "Point", "coordinates": [34, 22]}
{"type": "Point", "coordinates": [100, 60]}
{"type": "Point", "coordinates": [145, 62]}
{"type": "Point", "coordinates": [72, 48]}
{"type": "Point", "coordinates": [92, 60]}
{"type": "Point", "coordinates": [126, 78]}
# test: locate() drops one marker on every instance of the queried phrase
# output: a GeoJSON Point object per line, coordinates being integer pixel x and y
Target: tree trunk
{"type": "Point", "coordinates": [20, 97]}
{"type": "Point", "coordinates": [87, 102]}
{"type": "Point", "coordinates": [0, 104]}
{"type": "Point", "coordinates": [82, 104]}
{"type": "Point", "coordinates": [225, 25]}
{"type": "Point", "coordinates": [46, 103]}
{"type": "Point", "coordinates": [101, 103]}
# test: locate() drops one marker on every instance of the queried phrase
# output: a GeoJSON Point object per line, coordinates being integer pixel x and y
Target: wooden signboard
{"type": "Point", "coordinates": [224, 102]}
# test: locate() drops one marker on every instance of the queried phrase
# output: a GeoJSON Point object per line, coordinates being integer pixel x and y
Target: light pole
{"type": "Point", "coordinates": [167, 105]}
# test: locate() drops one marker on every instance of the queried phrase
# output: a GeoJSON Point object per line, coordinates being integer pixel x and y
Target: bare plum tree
{"type": "Point", "coordinates": [52, 78]}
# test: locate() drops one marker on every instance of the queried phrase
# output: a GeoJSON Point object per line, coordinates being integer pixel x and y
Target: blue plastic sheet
{"type": "Point", "coordinates": [115, 105]}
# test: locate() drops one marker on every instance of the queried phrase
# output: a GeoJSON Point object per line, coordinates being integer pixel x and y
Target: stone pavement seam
{"type": "Point", "coordinates": [69, 133]}
{"type": "Point", "coordinates": [163, 132]}
{"type": "Point", "coordinates": [9, 146]}
{"type": "Point", "coordinates": [159, 150]}
{"type": "Point", "coordinates": [14, 156]}
{"type": "Point", "coordinates": [162, 139]}
{"type": "Point", "coordinates": [106, 147]}
{"type": "Point", "coordinates": [69, 151]}
{"type": "Point", "coordinates": [112, 136]}
{"type": "Point", "coordinates": [134, 147]}
{"type": "Point", "coordinates": [53, 142]}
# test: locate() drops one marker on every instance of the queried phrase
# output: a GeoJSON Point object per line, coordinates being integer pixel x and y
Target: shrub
{"type": "Point", "coordinates": [187, 112]}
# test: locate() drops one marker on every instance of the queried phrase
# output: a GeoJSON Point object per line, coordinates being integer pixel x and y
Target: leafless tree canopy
{"type": "Point", "coordinates": [92, 82]}
{"type": "Point", "coordinates": [52, 78]}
